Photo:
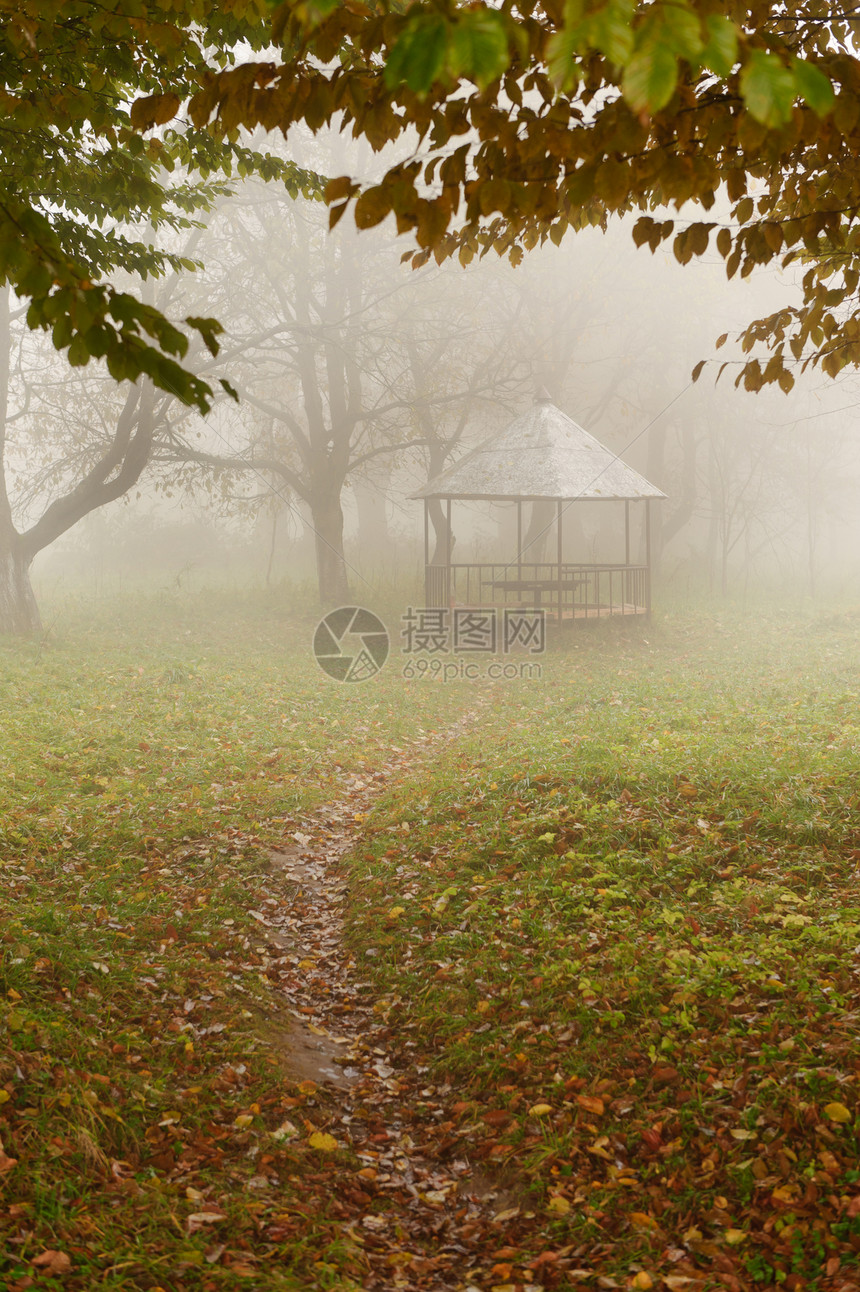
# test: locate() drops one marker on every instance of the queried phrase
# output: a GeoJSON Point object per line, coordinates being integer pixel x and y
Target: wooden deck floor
{"type": "Point", "coordinates": [570, 613]}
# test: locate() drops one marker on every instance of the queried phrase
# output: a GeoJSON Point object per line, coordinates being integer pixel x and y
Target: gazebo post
{"type": "Point", "coordinates": [647, 558]}
{"type": "Point", "coordinates": [448, 555]}
{"type": "Point", "coordinates": [519, 540]}
{"type": "Point", "coordinates": [559, 515]}
{"type": "Point", "coordinates": [625, 587]}
{"type": "Point", "coordinates": [426, 552]}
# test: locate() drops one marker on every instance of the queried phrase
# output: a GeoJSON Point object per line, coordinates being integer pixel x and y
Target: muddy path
{"type": "Point", "coordinates": [418, 1213]}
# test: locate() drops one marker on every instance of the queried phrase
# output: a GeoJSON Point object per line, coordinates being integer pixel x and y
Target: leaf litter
{"type": "Point", "coordinates": [416, 1217]}
{"type": "Point", "coordinates": [591, 1035]}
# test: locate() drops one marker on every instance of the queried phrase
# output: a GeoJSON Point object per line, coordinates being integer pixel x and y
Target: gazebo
{"type": "Point", "coordinates": [542, 457]}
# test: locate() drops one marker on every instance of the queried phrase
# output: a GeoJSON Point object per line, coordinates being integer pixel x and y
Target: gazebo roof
{"type": "Point", "coordinates": [542, 454]}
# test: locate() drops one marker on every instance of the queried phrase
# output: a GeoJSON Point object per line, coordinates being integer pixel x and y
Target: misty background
{"type": "Point", "coordinates": [359, 379]}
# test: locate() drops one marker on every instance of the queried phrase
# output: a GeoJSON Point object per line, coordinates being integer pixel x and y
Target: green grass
{"type": "Point", "coordinates": [633, 898]}
{"type": "Point", "coordinates": [152, 749]}
{"type": "Point", "coordinates": [616, 916]}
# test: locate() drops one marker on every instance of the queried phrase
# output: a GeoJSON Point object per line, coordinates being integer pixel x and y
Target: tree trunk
{"type": "Point", "coordinates": [19, 613]}
{"type": "Point", "coordinates": [439, 521]}
{"type": "Point", "coordinates": [542, 521]}
{"type": "Point", "coordinates": [327, 517]}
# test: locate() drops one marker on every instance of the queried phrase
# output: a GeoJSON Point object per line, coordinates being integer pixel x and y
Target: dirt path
{"type": "Point", "coordinates": [416, 1212]}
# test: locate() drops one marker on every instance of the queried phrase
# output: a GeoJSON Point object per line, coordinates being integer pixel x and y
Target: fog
{"type": "Point", "coordinates": [359, 379]}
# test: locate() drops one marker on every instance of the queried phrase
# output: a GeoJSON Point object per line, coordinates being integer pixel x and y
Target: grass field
{"type": "Point", "coordinates": [614, 925]}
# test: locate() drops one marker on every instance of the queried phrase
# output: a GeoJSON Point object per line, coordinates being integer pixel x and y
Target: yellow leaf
{"type": "Point", "coordinates": [734, 1237]}
{"type": "Point", "coordinates": [540, 1110]}
{"type": "Point", "coordinates": [837, 1112]}
{"type": "Point", "coordinates": [325, 1143]}
{"type": "Point", "coordinates": [642, 1220]}
{"type": "Point", "coordinates": [395, 912]}
{"type": "Point", "coordinates": [4, 1096]}
{"type": "Point", "coordinates": [643, 1281]}
{"type": "Point", "coordinates": [483, 1006]}
{"type": "Point", "coordinates": [558, 1205]}
{"type": "Point", "coordinates": [243, 1120]}
{"type": "Point", "coordinates": [742, 1134]}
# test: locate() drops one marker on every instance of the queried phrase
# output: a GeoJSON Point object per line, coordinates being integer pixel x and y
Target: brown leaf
{"type": "Point", "coordinates": [53, 1262]}
{"type": "Point", "coordinates": [154, 110]}
{"type": "Point", "coordinates": [199, 1219]}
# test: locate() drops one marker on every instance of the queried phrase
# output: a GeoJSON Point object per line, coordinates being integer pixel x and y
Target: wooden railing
{"type": "Point", "coordinates": [580, 590]}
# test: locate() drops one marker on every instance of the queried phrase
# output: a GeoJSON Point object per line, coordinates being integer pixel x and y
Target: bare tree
{"type": "Point", "coordinates": [342, 360]}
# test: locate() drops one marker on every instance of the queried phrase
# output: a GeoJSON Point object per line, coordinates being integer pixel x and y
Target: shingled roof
{"type": "Point", "coordinates": [542, 454]}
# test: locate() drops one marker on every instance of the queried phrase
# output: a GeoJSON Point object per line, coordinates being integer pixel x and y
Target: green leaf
{"type": "Point", "coordinates": [768, 89]}
{"type": "Point", "coordinates": [611, 31]}
{"type": "Point", "coordinates": [721, 50]}
{"type": "Point", "coordinates": [479, 47]}
{"type": "Point", "coordinates": [681, 31]}
{"type": "Point", "coordinates": [813, 86]}
{"type": "Point", "coordinates": [563, 59]}
{"type": "Point", "coordinates": [650, 78]}
{"type": "Point", "coordinates": [418, 55]}
{"type": "Point", "coordinates": [209, 330]}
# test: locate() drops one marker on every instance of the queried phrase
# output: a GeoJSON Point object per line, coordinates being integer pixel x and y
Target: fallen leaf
{"type": "Point", "coordinates": [53, 1262]}
{"type": "Point", "coordinates": [591, 1104]}
{"type": "Point", "coordinates": [558, 1205]}
{"type": "Point", "coordinates": [837, 1113]}
{"type": "Point", "coordinates": [734, 1237]}
{"type": "Point", "coordinates": [642, 1281]}
{"type": "Point", "coordinates": [642, 1220]}
{"type": "Point", "coordinates": [540, 1110]}
{"type": "Point", "coordinates": [286, 1130]}
{"type": "Point", "coordinates": [6, 1163]}
{"type": "Point", "coordinates": [325, 1143]}
{"type": "Point", "coordinates": [199, 1219]}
